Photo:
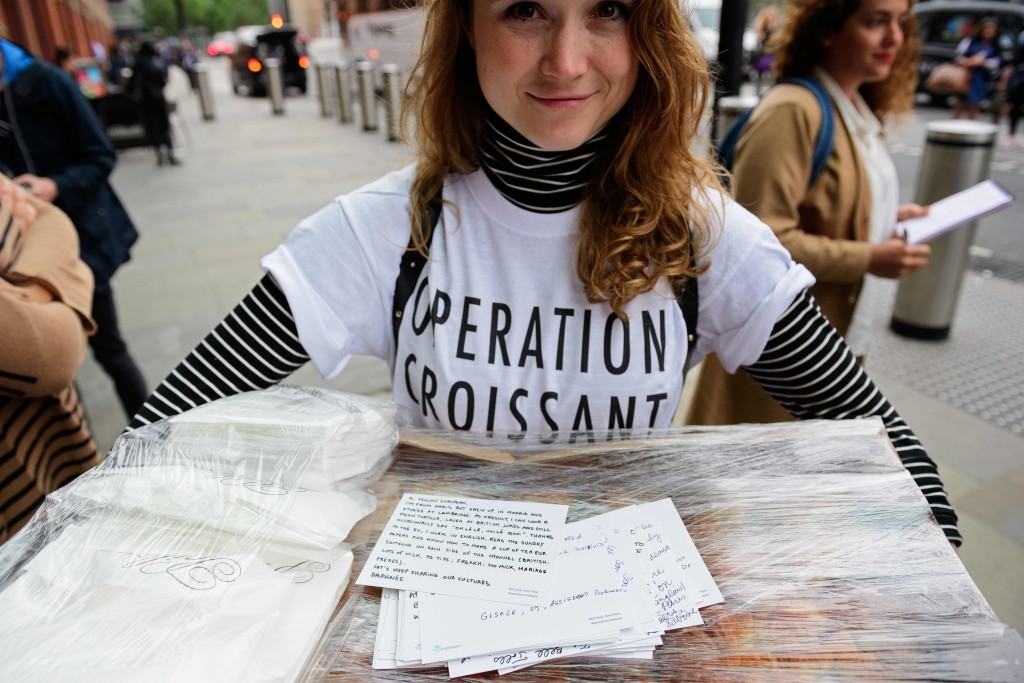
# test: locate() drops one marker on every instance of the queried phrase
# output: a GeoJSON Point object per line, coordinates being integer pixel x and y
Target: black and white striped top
{"type": "Point", "coordinates": [532, 178]}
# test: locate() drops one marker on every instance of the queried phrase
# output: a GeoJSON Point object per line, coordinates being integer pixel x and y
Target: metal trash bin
{"type": "Point", "coordinates": [202, 72]}
{"type": "Point", "coordinates": [275, 85]}
{"type": "Point", "coordinates": [392, 78]}
{"type": "Point", "coordinates": [367, 95]}
{"type": "Point", "coordinates": [956, 156]}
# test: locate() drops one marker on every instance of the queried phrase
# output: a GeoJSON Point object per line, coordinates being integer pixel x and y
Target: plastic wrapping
{"type": "Point", "coordinates": [209, 547]}
{"type": "Point", "coordinates": [189, 555]}
{"type": "Point", "coordinates": [825, 550]}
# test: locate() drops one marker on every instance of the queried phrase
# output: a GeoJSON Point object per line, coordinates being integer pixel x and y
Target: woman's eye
{"type": "Point", "coordinates": [522, 10]}
{"type": "Point", "coordinates": [611, 10]}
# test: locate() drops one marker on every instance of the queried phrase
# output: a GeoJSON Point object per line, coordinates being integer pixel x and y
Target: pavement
{"type": "Point", "coordinates": [249, 176]}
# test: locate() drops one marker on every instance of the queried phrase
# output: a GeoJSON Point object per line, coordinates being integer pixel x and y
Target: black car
{"type": "Point", "coordinates": [258, 43]}
{"type": "Point", "coordinates": [942, 24]}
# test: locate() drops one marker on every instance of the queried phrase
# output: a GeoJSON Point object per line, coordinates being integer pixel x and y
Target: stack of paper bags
{"type": "Point", "coordinates": [500, 585]}
{"type": "Point", "coordinates": [211, 547]}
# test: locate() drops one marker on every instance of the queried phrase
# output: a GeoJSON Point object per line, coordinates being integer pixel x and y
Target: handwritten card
{"type": "Point", "coordinates": [483, 549]}
{"type": "Point", "coordinates": [592, 597]}
{"type": "Point", "coordinates": [677, 569]}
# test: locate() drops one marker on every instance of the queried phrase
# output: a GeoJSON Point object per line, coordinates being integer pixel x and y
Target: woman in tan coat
{"type": "Point", "coordinates": [841, 227]}
{"type": "Point", "coordinates": [45, 298]}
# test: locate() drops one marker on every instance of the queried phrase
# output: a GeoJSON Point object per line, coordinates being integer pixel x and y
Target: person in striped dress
{"type": "Point", "coordinates": [523, 277]}
{"type": "Point", "coordinates": [45, 298]}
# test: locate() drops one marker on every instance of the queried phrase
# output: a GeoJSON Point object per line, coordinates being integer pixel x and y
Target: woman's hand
{"type": "Point", "coordinates": [14, 198]}
{"type": "Point", "coordinates": [905, 211]}
{"type": "Point", "coordinates": [895, 258]}
{"type": "Point", "coordinates": [44, 188]}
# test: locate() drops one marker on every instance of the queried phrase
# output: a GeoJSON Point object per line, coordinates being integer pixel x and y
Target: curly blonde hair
{"type": "Point", "coordinates": [798, 48]}
{"type": "Point", "coordinates": [644, 215]}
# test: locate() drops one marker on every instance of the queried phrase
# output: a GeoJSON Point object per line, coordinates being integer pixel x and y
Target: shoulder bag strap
{"type": "Point", "coordinates": [411, 266]}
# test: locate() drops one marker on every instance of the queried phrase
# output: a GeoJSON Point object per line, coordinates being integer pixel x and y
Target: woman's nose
{"type": "Point", "coordinates": [565, 55]}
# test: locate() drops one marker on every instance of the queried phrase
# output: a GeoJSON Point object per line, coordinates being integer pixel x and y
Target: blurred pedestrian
{"type": "Point", "coordinates": [1013, 84]}
{"type": "Point", "coordinates": [45, 291]}
{"type": "Point", "coordinates": [537, 270]}
{"type": "Point", "coordinates": [980, 53]}
{"type": "Point", "coordinates": [146, 90]}
{"type": "Point", "coordinates": [52, 142]}
{"type": "Point", "coordinates": [116, 65]}
{"type": "Point", "coordinates": [64, 60]}
{"type": "Point", "coordinates": [841, 226]}
{"type": "Point", "coordinates": [766, 25]}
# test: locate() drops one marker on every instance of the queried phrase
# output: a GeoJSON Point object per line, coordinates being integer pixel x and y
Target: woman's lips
{"type": "Point", "coordinates": [885, 57]}
{"type": "Point", "coordinates": [560, 101]}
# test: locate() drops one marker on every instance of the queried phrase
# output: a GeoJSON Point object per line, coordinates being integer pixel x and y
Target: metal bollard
{"type": "Point", "coordinates": [367, 96]}
{"type": "Point", "coordinates": [202, 72]}
{"type": "Point", "coordinates": [956, 156]}
{"type": "Point", "coordinates": [729, 109]}
{"type": "Point", "coordinates": [392, 76]}
{"type": "Point", "coordinates": [329, 79]}
{"type": "Point", "coordinates": [275, 87]}
{"type": "Point", "coordinates": [323, 90]}
{"type": "Point", "coordinates": [343, 84]}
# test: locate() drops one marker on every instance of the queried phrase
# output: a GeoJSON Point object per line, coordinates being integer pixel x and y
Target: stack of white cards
{"type": "Point", "coordinates": [487, 585]}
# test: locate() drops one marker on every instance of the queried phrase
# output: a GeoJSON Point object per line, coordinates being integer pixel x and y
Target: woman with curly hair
{"type": "Point", "coordinates": [527, 276]}
{"type": "Point", "coordinates": [842, 225]}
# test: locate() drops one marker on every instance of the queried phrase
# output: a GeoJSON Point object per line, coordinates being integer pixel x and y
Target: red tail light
{"type": "Point", "coordinates": [254, 65]}
{"type": "Point", "coordinates": [304, 62]}
{"type": "Point", "coordinates": [211, 51]}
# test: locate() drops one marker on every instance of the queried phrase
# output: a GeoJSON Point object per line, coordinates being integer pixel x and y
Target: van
{"type": "Point", "coordinates": [389, 37]}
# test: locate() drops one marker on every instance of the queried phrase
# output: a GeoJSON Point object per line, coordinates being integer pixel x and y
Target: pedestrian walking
{"type": "Point", "coordinates": [51, 142]}
{"type": "Point", "coordinates": [766, 25]}
{"type": "Point", "coordinates": [842, 224]}
{"type": "Point", "coordinates": [146, 90]}
{"type": "Point", "coordinates": [980, 53]}
{"type": "Point", "coordinates": [554, 255]}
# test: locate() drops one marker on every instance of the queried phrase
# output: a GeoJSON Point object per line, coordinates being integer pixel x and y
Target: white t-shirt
{"type": "Point", "coordinates": [498, 334]}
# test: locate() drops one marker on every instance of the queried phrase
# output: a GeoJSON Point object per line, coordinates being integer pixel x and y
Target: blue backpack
{"type": "Point", "coordinates": [822, 145]}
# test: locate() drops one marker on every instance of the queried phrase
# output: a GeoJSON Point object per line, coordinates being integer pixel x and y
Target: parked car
{"type": "Point", "coordinates": [942, 24]}
{"type": "Point", "coordinates": [258, 43]}
{"type": "Point", "coordinates": [223, 43]}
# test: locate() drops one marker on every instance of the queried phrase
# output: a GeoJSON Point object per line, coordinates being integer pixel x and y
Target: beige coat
{"type": "Point", "coordinates": [825, 227]}
{"type": "Point", "coordinates": [44, 439]}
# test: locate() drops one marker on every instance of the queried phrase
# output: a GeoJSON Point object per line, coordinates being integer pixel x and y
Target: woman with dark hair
{"type": "Point", "coordinates": [534, 272]}
{"type": "Point", "coordinates": [979, 53]}
{"type": "Point", "coordinates": [146, 89]}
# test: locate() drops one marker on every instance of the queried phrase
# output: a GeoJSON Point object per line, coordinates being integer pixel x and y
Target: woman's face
{"type": "Point", "coordinates": [865, 46]}
{"type": "Point", "coordinates": [555, 70]}
{"type": "Point", "coordinates": [988, 32]}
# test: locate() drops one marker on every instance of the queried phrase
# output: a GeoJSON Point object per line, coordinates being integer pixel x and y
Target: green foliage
{"type": "Point", "coordinates": [214, 15]}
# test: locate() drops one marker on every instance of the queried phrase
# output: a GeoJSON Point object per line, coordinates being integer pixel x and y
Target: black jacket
{"type": "Point", "coordinates": [65, 142]}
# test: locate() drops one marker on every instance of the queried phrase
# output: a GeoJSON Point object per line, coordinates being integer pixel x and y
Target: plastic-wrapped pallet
{"type": "Point", "coordinates": [829, 560]}
{"type": "Point", "coordinates": [208, 547]}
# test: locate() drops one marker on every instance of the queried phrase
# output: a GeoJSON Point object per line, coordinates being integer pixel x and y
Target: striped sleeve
{"type": "Point", "coordinates": [808, 368]}
{"type": "Point", "coordinates": [255, 346]}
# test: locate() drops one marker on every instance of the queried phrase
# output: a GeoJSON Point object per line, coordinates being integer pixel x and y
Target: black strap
{"type": "Point", "coordinates": [413, 261]}
{"type": "Point", "coordinates": [688, 297]}
{"type": "Point", "coordinates": [411, 266]}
